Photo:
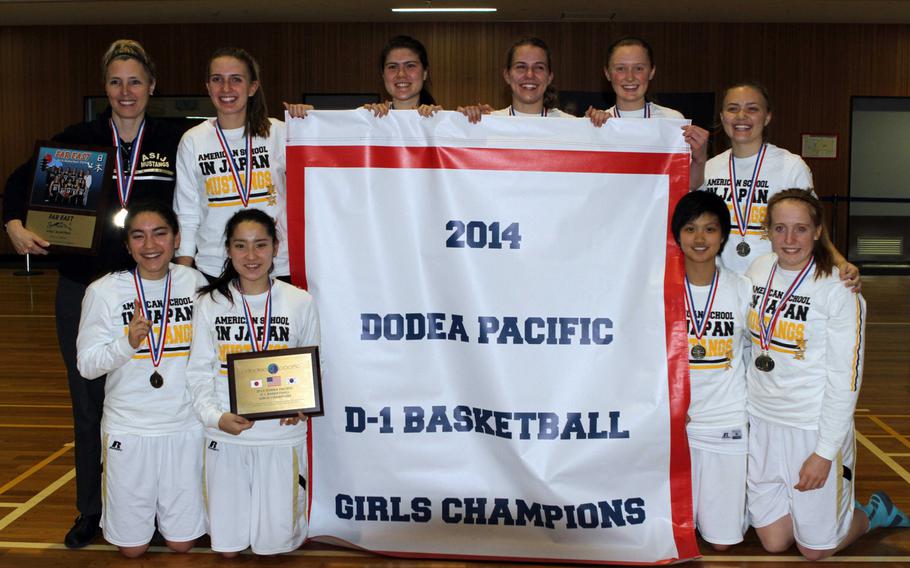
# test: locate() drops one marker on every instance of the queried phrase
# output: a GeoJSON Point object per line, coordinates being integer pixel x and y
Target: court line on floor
{"type": "Point", "coordinates": [26, 316]}
{"type": "Point", "coordinates": [32, 470]}
{"type": "Point", "coordinates": [358, 554]}
{"type": "Point", "coordinates": [39, 497]}
{"type": "Point", "coordinates": [200, 550]}
{"type": "Point", "coordinates": [881, 424]}
{"type": "Point", "coordinates": [10, 505]}
{"type": "Point", "coordinates": [895, 467]}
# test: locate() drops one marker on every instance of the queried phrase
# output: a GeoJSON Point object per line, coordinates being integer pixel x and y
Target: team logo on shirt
{"type": "Point", "coordinates": [789, 336]}
{"type": "Point", "coordinates": [157, 162]}
{"type": "Point", "coordinates": [717, 341]}
{"type": "Point", "coordinates": [213, 445]}
{"type": "Point", "coordinates": [115, 445]}
{"type": "Point", "coordinates": [179, 331]}
{"type": "Point", "coordinates": [721, 187]}
{"type": "Point", "coordinates": [220, 186]}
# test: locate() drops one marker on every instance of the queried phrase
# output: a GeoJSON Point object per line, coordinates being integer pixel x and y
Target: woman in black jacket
{"type": "Point", "coordinates": [145, 159]}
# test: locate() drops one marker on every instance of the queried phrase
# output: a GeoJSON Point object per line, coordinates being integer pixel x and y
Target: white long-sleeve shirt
{"type": "Point", "coordinates": [780, 170]}
{"type": "Point", "coordinates": [718, 380]}
{"type": "Point", "coordinates": [818, 349]}
{"type": "Point", "coordinates": [655, 110]}
{"type": "Point", "coordinates": [551, 113]}
{"type": "Point", "coordinates": [220, 329]}
{"type": "Point", "coordinates": [131, 404]}
{"type": "Point", "coordinates": [206, 196]}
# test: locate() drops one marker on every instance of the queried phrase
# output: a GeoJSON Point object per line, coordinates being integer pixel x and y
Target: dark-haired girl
{"type": "Point", "coordinates": [528, 72]}
{"type": "Point", "coordinates": [405, 70]}
{"type": "Point", "coordinates": [751, 172]}
{"type": "Point", "coordinates": [216, 176]}
{"type": "Point", "coordinates": [716, 308]}
{"type": "Point", "coordinates": [808, 338]}
{"type": "Point", "coordinates": [252, 469]}
{"type": "Point", "coordinates": [136, 328]}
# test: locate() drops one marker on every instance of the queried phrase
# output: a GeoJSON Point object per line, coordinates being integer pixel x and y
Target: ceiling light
{"type": "Point", "coordinates": [413, 10]}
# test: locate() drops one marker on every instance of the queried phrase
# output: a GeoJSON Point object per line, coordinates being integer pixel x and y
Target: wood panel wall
{"type": "Point", "coordinates": [811, 70]}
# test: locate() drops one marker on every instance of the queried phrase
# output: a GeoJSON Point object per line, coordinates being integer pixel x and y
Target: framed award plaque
{"type": "Point", "coordinates": [68, 194]}
{"type": "Point", "coordinates": [275, 384]}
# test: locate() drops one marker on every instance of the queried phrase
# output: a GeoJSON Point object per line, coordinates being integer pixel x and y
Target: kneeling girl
{"type": "Point", "coordinates": [254, 471]}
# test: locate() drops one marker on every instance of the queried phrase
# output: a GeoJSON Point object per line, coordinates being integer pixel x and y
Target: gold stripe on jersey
{"type": "Point", "coordinates": [699, 366]}
{"type": "Point", "coordinates": [181, 353]}
{"type": "Point", "coordinates": [205, 489]}
{"type": "Point", "coordinates": [104, 469]}
{"type": "Point", "coordinates": [857, 346]}
{"type": "Point", "coordinates": [839, 471]}
{"type": "Point", "coordinates": [788, 350]}
{"type": "Point", "coordinates": [295, 491]}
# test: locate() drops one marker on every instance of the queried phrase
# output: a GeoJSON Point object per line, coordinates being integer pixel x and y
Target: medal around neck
{"type": "Point", "coordinates": [764, 363]}
{"type": "Point", "coordinates": [742, 212]}
{"type": "Point", "coordinates": [155, 341]}
{"type": "Point", "coordinates": [275, 384]}
{"type": "Point", "coordinates": [700, 326]}
{"type": "Point", "coordinates": [743, 249]}
{"type": "Point", "coordinates": [68, 198]}
{"type": "Point", "coordinates": [120, 218]}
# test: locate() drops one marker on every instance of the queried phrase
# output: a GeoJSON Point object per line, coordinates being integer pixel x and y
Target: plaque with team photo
{"type": "Point", "coordinates": [68, 195]}
{"type": "Point", "coordinates": [275, 384]}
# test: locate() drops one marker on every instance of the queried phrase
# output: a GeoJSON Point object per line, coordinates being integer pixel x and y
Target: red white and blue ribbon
{"type": "Point", "coordinates": [266, 323]}
{"type": "Point", "coordinates": [243, 184]}
{"type": "Point", "coordinates": [740, 212]}
{"type": "Point", "coordinates": [124, 181]}
{"type": "Point", "coordinates": [543, 111]}
{"type": "Point", "coordinates": [700, 326]}
{"type": "Point", "coordinates": [646, 114]}
{"type": "Point", "coordinates": [157, 342]}
{"type": "Point", "coordinates": [766, 331]}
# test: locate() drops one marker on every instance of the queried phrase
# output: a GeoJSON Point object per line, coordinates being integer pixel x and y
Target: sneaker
{"type": "Point", "coordinates": [84, 529]}
{"type": "Point", "coordinates": [884, 514]}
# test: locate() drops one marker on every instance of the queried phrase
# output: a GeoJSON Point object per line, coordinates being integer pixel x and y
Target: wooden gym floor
{"type": "Point", "coordinates": [37, 489]}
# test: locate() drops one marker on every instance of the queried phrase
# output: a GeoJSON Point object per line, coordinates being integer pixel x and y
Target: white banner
{"type": "Point", "coordinates": [504, 374]}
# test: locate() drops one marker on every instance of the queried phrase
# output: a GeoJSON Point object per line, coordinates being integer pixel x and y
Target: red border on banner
{"type": "Point", "coordinates": [675, 165]}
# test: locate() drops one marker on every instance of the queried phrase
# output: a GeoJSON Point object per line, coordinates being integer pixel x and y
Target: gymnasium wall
{"type": "Point", "coordinates": [811, 70]}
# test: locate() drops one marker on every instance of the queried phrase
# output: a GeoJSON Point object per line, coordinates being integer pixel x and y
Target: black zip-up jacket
{"type": "Point", "coordinates": [155, 178]}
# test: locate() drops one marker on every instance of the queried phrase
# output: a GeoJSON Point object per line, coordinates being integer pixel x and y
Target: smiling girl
{"type": "Point", "coordinates": [232, 162]}
{"type": "Point", "coordinates": [528, 72]}
{"type": "Point", "coordinates": [757, 170]}
{"type": "Point", "coordinates": [716, 309]}
{"type": "Point", "coordinates": [808, 341]}
{"type": "Point", "coordinates": [630, 69]}
{"type": "Point", "coordinates": [136, 328]}
{"type": "Point", "coordinates": [405, 70]}
{"type": "Point", "coordinates": [254, 471]}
